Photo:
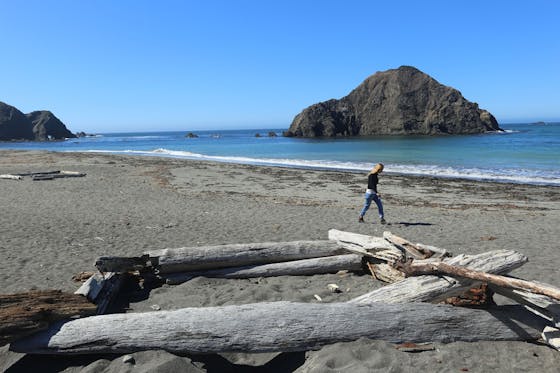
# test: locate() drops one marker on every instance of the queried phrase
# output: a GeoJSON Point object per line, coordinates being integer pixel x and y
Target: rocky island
{"type": "Point", "coordinates": [39, 125]}
{"type": "Point", "coordinates": [394, 102]}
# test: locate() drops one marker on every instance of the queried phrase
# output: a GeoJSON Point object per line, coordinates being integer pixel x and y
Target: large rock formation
{"type": "Point", "coordinates": [35, 126]}
{"type": "Point", "coordinates": [394, 102]}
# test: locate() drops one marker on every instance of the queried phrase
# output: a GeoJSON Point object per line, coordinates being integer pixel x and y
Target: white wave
{"type": "Point", "coordinates": [519, 176]}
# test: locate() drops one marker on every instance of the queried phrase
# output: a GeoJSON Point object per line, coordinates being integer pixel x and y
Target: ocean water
{"type": "Point", "coordinates": [524, 153]}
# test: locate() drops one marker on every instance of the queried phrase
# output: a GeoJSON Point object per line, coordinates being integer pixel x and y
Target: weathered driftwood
{"type": "Point", "coordinates": [429, 288]}
{"type": "Point", "coordinates": [278, 326]}
{"type": "Point", "coordinates": [237, 255]}
{"type": "Point", "coordinates": [365, 242]}
{"type": "Point", "coordinates": [102, 289]}
{"type": "Point", "coordinates": [50, 175]}
{"type": "Point", "coordinates": [38, 173]}
{"type": "Point", "coordinates": [328, 264]}
{"type": "Point", "coordinates": [119, 264]}
{"type": "Point", "coordinates": [26, 313]}
{"type": "Point", "coordinates": [10, 177]}
{"type": "Point", "coordinates": [415, 268]}
{"type": "Point", "coordinates": [385, 272]}
{"type": "Point", "coordinates": [407, 246]}
{"type": "Point", "coordinates": [539, 304]}
{"type": "Point", "coordinates": [551, 336]}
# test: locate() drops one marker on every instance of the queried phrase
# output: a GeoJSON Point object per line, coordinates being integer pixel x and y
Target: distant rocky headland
{"type": "Point", "coordinates": [36, 126]}
{"type": "Point", "coordinates": [394, 102]}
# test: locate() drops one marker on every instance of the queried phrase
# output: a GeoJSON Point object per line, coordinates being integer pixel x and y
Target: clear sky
{"type": "Point", "coordinates": [142, 65]}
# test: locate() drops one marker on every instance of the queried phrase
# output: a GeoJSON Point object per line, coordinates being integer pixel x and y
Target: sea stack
{"type": "Point", "coordinates": [36, 126]}
{"type": "Point", "coordinates": [400, 101]}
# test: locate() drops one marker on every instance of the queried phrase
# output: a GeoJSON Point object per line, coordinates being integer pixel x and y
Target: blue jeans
{"type": "Point", "coordinates": [372, 197]}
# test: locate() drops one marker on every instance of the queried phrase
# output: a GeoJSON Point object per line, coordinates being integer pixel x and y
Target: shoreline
{"type": "Point", "coordinates": [126, 205]}
{"type": "Point", "coordinates": [440, 172]}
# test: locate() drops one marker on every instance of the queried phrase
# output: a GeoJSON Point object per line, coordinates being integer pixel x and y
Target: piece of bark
{"type": "Point", "coordinates": [415, 347]}
{"type": "Point", "coordinates": [430, 288]}
{"type": "Point", "coordinates": [279, 327]}
{"type": "Point", "coordinates": [303, 267]}
{"type": "Point", "coordinates": [477, 296]}
{"type": "Point", "coordinates": [22, 314]}
{"type": "Point", "coordinates": [237, 255]}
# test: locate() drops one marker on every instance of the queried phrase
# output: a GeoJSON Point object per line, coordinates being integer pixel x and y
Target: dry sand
{"type": "Point", "coordinates": [51, 230]}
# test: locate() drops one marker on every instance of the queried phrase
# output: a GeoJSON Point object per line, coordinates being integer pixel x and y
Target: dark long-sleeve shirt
{"type": "Point", "coordinates": [372, 182]}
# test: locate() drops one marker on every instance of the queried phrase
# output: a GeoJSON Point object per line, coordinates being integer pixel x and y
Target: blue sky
{"type": "Point", "coordinates": [111, 66]}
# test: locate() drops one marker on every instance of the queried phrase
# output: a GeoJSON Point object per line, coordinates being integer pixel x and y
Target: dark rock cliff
{"type": "Point", "coordinates": [394, 102]}
{"type": "Point", "coordinates": [36, 126]}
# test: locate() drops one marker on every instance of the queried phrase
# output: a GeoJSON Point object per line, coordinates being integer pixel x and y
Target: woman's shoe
{"type": "Point", "coordinates": [383, 221]}
{"type": "Point", "coordinates": [361, 219]}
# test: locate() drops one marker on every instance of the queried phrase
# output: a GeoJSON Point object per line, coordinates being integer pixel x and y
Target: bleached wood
{"type": "Point", "coordinates": [102, 289]}
{"type": "Point", "coordinates": [329, 264]}
{"type": "Point", "coordinates": [236, 255]}
{"type": "Point", "coordinates": [385, 272]}
{"type": "Point", "coordinates": [539, 304]}
{"type": "Point", "coordinates": [552, 337]}
{"type": "Point", "coordinates": [356, 249]}
{"type": "Point", "coordinates": [429, 288]}
{"type": "Point", "coordinates": [497, 280]}
{"type": "Point", "coordinates": [277, 326]}
{"type": "Point", "coordinates": [10, 177]}
{"type": "Point", "coordinates": [407, 246]}
{"type": "Point", "coordinates": [364, 241]}
{"type": "Point", "coordinates": [390, 256]}
{"type": "Point", "coordinates": [438, 252]}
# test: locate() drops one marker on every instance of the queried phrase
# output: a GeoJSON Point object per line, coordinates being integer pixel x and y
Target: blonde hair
{"type": "Point", "coordinates": [377, 168]}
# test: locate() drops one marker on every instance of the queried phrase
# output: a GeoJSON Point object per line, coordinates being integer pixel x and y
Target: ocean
{"type": "Point", "coordinates": [524, 153]}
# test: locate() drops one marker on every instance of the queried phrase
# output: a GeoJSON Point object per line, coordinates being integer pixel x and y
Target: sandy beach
{"type": "Point", "coordinates": [51, 230]}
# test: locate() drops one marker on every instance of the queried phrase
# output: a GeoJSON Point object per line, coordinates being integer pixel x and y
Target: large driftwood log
{"type": "Point", "coordinates": [277, 326]}
{"type": "Point", "coordinates": [429, 288]}
{"type": "Point", "coordinates": [22, 314]}
{"type": "Point", "coordinates": [237, 255]}
{"type": "Point", "coordinates": [304, 267]}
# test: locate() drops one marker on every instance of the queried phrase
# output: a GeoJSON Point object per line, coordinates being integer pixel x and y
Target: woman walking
{"type": "Point", "coordinates": [372, 195]}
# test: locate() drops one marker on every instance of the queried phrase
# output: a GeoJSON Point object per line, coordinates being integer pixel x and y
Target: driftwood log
{"type": "Point", "coordinates": [362, 242]}
{"type": "Point", "coordinates": [496, 280]}
{"type": "Point", "coordinates": [328, 264]}
{"type": "Point", "coordinates": [22, 314]}
{"type": "Point", "coordinates": [223, 256]}
{"type": "Point", "coordinates": [430, 288]}
{"type": "Point", "coordinates": [278, 326]}
{"type": "Point", "coordinates": [539, 304]}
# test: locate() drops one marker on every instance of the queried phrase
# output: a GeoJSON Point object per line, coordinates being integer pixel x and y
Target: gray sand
{"type": "Point", "coordinates": [51, 230]}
